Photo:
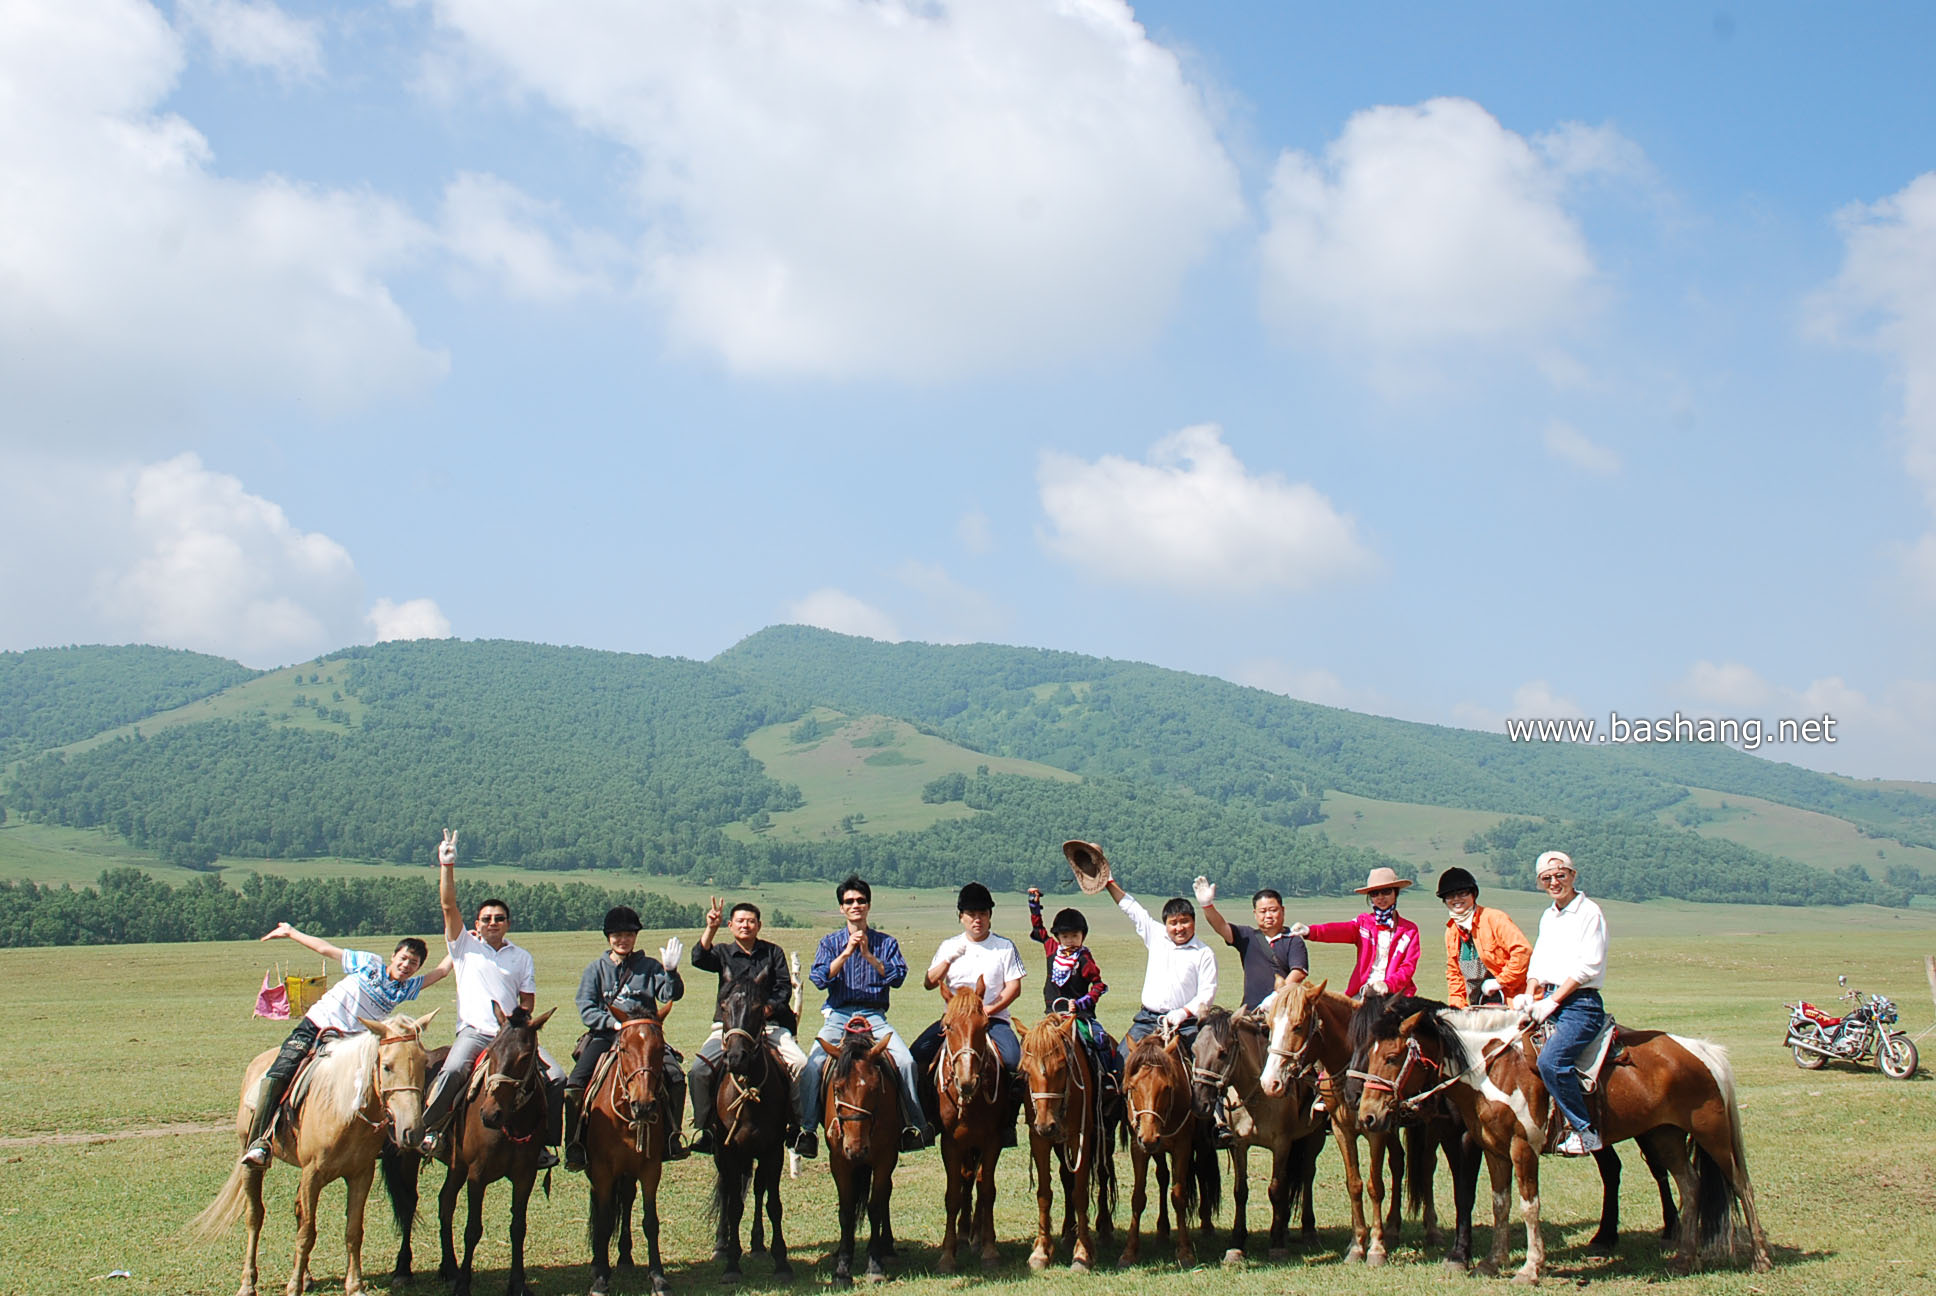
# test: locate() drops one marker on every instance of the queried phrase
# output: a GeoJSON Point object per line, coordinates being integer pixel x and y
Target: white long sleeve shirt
{"type": "Point", "coordinates": [1572, 945]}
{"type": "Point", "coordinates": [1178, 976]}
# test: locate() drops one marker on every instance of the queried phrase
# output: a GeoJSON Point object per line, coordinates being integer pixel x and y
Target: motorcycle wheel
{"type": "Point", "coordinates": [1897, 1057]}
{"type": "Point", "coordinates": [1808, 1060]}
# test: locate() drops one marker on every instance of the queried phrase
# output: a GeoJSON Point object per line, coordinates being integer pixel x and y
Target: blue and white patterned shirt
{"type": "Point", "coordinates": [858, 985]}
{"type": "Point", "coordinates": [366, 990]}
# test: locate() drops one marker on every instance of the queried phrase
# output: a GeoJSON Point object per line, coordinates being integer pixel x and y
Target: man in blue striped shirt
{"type": "Point", "coordinates": [857, 966]}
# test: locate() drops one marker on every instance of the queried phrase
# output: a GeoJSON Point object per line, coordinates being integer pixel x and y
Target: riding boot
{"type": "Point", "coordinates": [675, 1081]}
{"type": "Point", "coordinates": [1011, 1105]}
{"type": "Point", "coordinates": [574, 1129]}
{"type": "Point", "coordinates": [554, 1126]}
{"type": "Point", "coordinates": [702, 1081]}
{"type": "Point", "coordinates": [268, 1097]}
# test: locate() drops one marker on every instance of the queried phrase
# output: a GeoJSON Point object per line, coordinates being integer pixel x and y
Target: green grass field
{"type": "Point", "coordinates": [1818, 839]}
{"type": "Point", "coordinates": [120, 1039]}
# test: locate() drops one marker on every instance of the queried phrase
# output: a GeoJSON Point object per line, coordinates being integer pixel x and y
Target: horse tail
{"type": "Point", "coordinates": [1304, 1160]}
{"type": "Point", "coordinates": [1422, 1160]}
{"type": "Point", "coordinates": [220, 1215]}
{"type": "Point", "coordinates": [1716, 1195]}
{"type": "Point", "coordinates": [400, 1177]}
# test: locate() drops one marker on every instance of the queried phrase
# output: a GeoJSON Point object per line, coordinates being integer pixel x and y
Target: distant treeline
{"type": "Point", "coordinates": [1641, 860]}
{"type": "Point", "coordinates": [129, 907]}
{"type": "Point", "coordinates": [53, 696]}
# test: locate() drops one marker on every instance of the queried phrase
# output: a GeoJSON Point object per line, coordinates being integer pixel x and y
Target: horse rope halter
{"type": "Point", "coordinates": [1219, 1081]}
{"type": "Point", "coordinates": [381, 1096]}
{"type": "Point", "coordinates": [524, 1087]}
{"type": "Point", "coordinates": [639, 1117]}
{"type": "Point", "coordinates": [1061, 1096]}
{"type": "Point", "coordinates": [1414, 1058]}
{"type": "Point", "coordinates": [747, 1095]}
{"type": "Point", "coordinates": [1136, 1112]}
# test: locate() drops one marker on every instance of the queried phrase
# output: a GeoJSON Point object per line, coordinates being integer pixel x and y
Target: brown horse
{"type": "Point", "coordinates": [627, 1120]}
{"type": "Point", "coordinates": [751, 1106]}
{"type": "Point", "coordinates": [863, 1120]}
{"type": "Point", "coordinates": [1664, 1091]}
{"type": "Point", "coordinates": [1310, 1029]}
{"type": "Point", "coordinates": [1228, 1058]}
{"type": "Point", "coordinates": [1067, 1114]}
{"type": "Point", "coordinates": [1164, 1129]}
{"type": "Point", "coordinates": [968, 1090]}
{"type": "Point", "coordinates": [361, 1088]}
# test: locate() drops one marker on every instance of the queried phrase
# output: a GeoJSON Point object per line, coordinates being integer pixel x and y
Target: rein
{"type": "Point", "coordinates": [749, 1095]}
{"type": "Point", "coordinates": [975, 1057]}
{"type": "Point", "coordinates": [524, 1088]}
{"type": "Point", "coordinates": [382, 1092]}
{"type": "Point", "coordinates": [638, 1117]}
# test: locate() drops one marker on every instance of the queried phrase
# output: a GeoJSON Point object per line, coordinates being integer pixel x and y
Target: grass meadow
{"type": "Point", "coordinates": [109, 1040]}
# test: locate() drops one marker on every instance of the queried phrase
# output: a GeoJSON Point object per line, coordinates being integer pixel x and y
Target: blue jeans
{"type": "Point", "coordinates": [1146, 1022]}
{"type": "Point", "coordinates": [1577, 1021]}
{"type": "Point", "coordinates": [828, 1042]}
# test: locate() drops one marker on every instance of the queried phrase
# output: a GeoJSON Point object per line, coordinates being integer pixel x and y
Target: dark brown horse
{"type": "Point", "coordinates": [863, 1120]}
{"type": "Point", "coordinates": [627, 1120]}
{"type": "Point", "coordinates": [1228, 1059]}
{"type": "Point", "coordinates": [968, 1090]}
{"type": "Point", "coordinates": [1665, 1090]}
{"type": "Point", "coordinates": [1068, 1116]}
{"type": "Point", "coordinates": [1163, 1128]}
{"type": "Point", "coordinates": [751, 1104]}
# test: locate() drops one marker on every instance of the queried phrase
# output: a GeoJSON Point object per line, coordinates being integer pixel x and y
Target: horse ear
{"type": "Point", "coordinates": [1171, 1045]}
{"type": "Point", "coordinates": [619, 1014]}
{"type": "Point", "coordinates": [379, 1028]}
{"type": "Point", "coordinates": [424, 1020]}
{"type": "Point", "coordinates": [498, 1008]}
{"type": "Point", "coordinates": [880, 1046]}
{"type": "Point", "coordinates": [1317, 991]}
{"type": "Point", "coordinates": [981, 987]}
{"type": "Point", "coordinates": [537, 1023]}
{"type": "Point", "coordinates": [1411, 1024]}
{"type": "Point", "coordinates": [1279, 981]}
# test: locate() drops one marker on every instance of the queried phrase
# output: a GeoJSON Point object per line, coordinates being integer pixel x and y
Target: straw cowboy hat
{"type": "Point", "coordinates": [1090, 864]}
{"type": "Point", "coordinates": [1382, 878]}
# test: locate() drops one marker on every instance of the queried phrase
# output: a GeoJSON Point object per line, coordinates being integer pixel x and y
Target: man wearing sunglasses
{"type": "Point", "coordinates": [857, 966]}
{"type": "Point", "coordinates": [1569, 966]}
{"type": "Point", "coordinates": [491, 973]}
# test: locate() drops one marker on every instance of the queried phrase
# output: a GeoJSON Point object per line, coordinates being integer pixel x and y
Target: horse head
{"type": "Point", "coordinates": [857, 1089]}
{"type": "Point", "coordinates": [965, 1047]}
{"type": "Point", "coordinates": [1052, 1068]}
{"type": "Point", "coordinates": [743, 1014]}
{"type": "Point", "coordinates": [1294, 1026]}
{"type": "Point", "coordinates": [1156, 1089]}
{"type": "Point", "coordinates": [514, 1073]}
{"type": "Point", "coordinates": [1405, 1055]}
{"type": "Point", "coordinates": [400, 1066]}
{"type": "Point", "coordinates": [1214, 1058]}
{"type": "Point", "coordinates": [640, 1048]}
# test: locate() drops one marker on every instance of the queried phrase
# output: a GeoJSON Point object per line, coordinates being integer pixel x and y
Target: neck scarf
{"type": "Point", "coordinates": [1387, 918]}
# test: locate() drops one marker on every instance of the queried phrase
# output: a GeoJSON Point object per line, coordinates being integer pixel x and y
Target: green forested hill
{"type": "Point", "coordinates": [52, 696]}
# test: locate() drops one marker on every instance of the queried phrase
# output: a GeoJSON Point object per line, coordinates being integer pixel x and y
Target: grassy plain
{"type": "Point", "coordinates": [122, 1039]}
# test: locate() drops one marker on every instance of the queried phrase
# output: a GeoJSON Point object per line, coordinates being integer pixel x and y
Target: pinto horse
{"type": "Point", "coordinates": [751, 1106]}
{"type": "Point", "coordinates": [627, 1120]}
{"type": "Point", "coordinates": [969, 1098]}
{"type": "Point", "coordinates": [1163, 1128]}
{"type": "Point", "coordinates": [362, 1089]}
{"type": "Point", "coordinates": [1067, 1115]}
{"type": "Point", "coordinates": [863, 1120]}
{"type": "Point", "coordinates": [1229, 1057]}
{"type": "Point", "coordinates": [1666, 1090]}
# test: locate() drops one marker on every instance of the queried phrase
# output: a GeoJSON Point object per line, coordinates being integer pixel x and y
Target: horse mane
{"type": "Point", "coordinates": [1219, 1025]}
{"type": "Point", "coordinates": [854, 1046]}
{"type": "Point", "coordinates": [341, 1080]}
{"type": "Point", "coordinates": [962, 1003]}
{"type": "Point", "coordinates": [1149, 1048]}
{"type": "Point", "coordinates": [1381, 1019]}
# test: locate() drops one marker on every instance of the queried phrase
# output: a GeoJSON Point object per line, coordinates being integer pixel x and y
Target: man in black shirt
{"type": "Point", "coordinates": [745, 956]}
{"type": "Point", "coordinates": [1267, 951]}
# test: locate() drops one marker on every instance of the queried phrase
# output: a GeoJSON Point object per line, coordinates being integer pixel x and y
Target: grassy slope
{"type": "Point", "coordinates": [1818, 839]}
{"type": "Point", "coordinates": [1846, 1188]}
{"type": "Point", "coordinates": [269, 697]}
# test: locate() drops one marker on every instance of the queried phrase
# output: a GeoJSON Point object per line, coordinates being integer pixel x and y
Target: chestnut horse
{"type": "Point", "coordinates": [863, 1119]}
{"type": "Point", "coordinates": [969, 1098]}
{"type": "Point", "coordinates": [1228, 1058]}
{"type": "Point", "coordinates": [627, 1120]}
{"type": "Point", "coordinates": [751, 1106]}
{"type": "Point", "coordinates": [1067, 1114]}
{"type": "Point", "coordinates": [1664, 1089]}
{"type": "Point", "coordinates": [1163, 1128]}
{"type": "Point", "coordinates": [362, 1089]}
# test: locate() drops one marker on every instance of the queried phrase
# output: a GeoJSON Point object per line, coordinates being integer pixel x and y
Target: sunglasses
{"type": "Point", "coordinates": [851, 901]}
{"type": "Point", "coordinates": [1549, 879]}
{"type": "Point", "coordinates": [494, 918]}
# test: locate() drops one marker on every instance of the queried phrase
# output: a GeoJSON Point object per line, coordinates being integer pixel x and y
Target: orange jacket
{"type": "Point", "coordinates": [1502, 947]}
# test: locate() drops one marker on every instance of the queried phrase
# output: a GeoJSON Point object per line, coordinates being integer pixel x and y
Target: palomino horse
{"type": "Point", "coordinates": [361, 1088]}
{"type": "Point", "coordinates": [1163, 1128]}
{"type": "Point", "coordinates": [627, 1120]}
{"type": "Point", "coordinates": [1229, 1059]}
{"type": "Point", "coordinates": [1067, 1114]}
{"type": "Point", "coordinates": [969, 1098]}
{"type": "Point", "coordinates": [751, 1106]}
{"type": "Point", "coordinates": [1665, 1089]}
{"type": "Point", "coordinates": [863, 1119]}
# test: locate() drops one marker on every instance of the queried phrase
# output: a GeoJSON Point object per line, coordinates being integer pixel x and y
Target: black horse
{"type": "Point", "coordinates": [751, 1105]}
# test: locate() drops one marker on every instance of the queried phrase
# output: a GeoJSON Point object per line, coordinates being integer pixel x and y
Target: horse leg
{"type": "Point", "coordinates": [1526, 1167]}
{"type": "Point", "coordinates": [1664, 1182]}
{"type": "Point", "coordinates": [849, 1188]}
{"type": "Point", "coordinates": [735, 1169]}
{"type": "Point", "coordinates": [603, 1212]}
{"type": "Point", "coordinates": [1354, 1184]}
{"type": "Point", "coordinates": [1161, 1160]}
{"type": "Point", "coordinates": [647, 1189]}
{"type": "Point", "coordinates": [308, 1190]}
{"type": "Point", "coordinates": [1670, 1145]}
{"type": "Point", "coordinates": [1381, 1145]}
{"type": "Point", "coordinates": [520, 1211]}
{"type": "Point", "coordinates": [882, 1189]}
{"type": "Point", "coordinates": [473, 1233]}
{"type": "Point", "coordinates": [1283, 1175]}
{"type": "Point", "coordinates": [1239, 1204]}
{"type": "Point", "coordinates": [756, 1243]}
{"type": "Point", "coordinates": [447, 1219]}
{"type": "Point", "coordinates": [358, 1188]}
{"type": "Point", "coordinates": [1462, 1162]}
{"type": "Point", "coordinates": [252, 1188]}
{"type": "Point", "coordinates": [1499, 1172]}
{"type": "Point", "coordinates": [1040, 1150]}
{"type": "Point", "coordinates": [400, 1175]}
{"type": "Point", "coordinates": [1423, 1173]}
{"type": "Point", "coordinates": [1180, 1178]}
{"type": "Point", "coordinates": [1606, 1238]}
{"type": "Point", "coordinates": [1082, 1258]}
{"type": "Point", "coordinates": [985, 1201]}
{"type": "Point", "coordinates": [1138, 1199]}
{"type": "Point", "coordinates": [951, 1179]}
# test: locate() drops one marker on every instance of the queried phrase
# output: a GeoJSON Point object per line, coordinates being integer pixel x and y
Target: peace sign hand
{"type": "Point", "coordinates": [447, 852]}
{"type": "Point", "coordinates": [715, 910]}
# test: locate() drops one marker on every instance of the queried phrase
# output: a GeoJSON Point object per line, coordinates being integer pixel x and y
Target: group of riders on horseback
{"type": "Point", "coordinates": [1555, 985]}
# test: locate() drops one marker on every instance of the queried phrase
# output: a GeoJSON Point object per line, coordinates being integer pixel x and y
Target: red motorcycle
{"type": "Point", "coordinates": [1862, 1033]}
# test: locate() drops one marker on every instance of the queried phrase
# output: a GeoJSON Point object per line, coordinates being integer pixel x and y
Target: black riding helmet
{"type": "Point", "coordinates": [1069, 920]}
{"type": "Point", "coordinates": [622, 918]}
{"type": "Point", "coordinates": [974, 898]}
{"type": "Point", "coordinates": [1455, 880]}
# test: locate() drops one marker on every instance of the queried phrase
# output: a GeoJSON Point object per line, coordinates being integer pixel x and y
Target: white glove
{"type": "Point", "coordinates": [1378, 988]}
{"type": "Point", "coordinates": [1545, 1008]}
{"type": "Point", "coordinates": [1175, 1017]}
{"type": "Point", "coordinates": [1522, 1003]}
{"type": "Point", "coordinates": [1298, 929]}
{"type": "Point", "coordinates": [447, 850]}
{"type": "Point", "coordinates": [1206, 890]}
{"type": "Point", "coordinates": [670, 954]}
{"type": "Point", "coordinates": [1490, 986]}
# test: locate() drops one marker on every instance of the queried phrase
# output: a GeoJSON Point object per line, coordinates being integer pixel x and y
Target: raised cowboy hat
{"type": "Point", "coordinates": [1380, 879]}
{"type": "Point", "coordinates": [1090, 864]}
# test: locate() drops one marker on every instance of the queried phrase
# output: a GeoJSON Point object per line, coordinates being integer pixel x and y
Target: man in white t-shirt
{"type": "Point", "coordinates": [492, 973]}
{"type": "Point", "coordinates": [977, 956]}
{"type": "Point", "coordinates": [370, 988]}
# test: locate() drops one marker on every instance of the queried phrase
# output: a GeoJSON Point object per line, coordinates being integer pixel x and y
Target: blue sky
{"type": "Point", "coordinates": [1451, 362]}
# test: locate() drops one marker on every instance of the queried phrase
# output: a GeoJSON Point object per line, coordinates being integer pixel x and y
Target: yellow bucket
{"type": "Point", "coordinates": [304, 991]}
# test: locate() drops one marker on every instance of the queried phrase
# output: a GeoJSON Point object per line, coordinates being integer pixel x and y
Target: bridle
{"type": "Point", "coordinates": [1414, 1058]}
{"type": "Point", "coordinates": [382, 1092]}
{"type": "Point", "coordinates": [974, 1057]}
{"type": "Point", "coordinates": [1061, 1097]}
{"type": "Point", "coordinates": [1302, 1060]}
{"type": "Point", "coordinates": [747, 1095]}
{"type": "Point", "coordinates": [1135, 1112]}
{"type": "Point", "coordinates": [639, 1116]}
{"type": "Point", "coordinates": [523, 1088]}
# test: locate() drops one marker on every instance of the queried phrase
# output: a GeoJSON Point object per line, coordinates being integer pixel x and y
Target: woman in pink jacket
{"type": "Point", "coordinates": [1388, 945]}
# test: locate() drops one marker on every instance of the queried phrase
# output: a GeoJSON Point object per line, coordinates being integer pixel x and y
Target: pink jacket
{"type": "Point", "coordinates": [1362, 931]}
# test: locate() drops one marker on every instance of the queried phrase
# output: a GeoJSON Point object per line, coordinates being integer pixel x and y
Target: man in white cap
{"type": "Point", "coordinates": [1568, 968]}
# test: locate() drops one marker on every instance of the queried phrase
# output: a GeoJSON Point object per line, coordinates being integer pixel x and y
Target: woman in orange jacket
{"type": "Point", "coordinates": [1485, 952]}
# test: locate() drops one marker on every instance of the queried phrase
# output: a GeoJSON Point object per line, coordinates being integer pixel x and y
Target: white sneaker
{"type": "Point", "coordinates": [1581, 1144]}
{"type": "Point", "coordinates": [256, 1157]}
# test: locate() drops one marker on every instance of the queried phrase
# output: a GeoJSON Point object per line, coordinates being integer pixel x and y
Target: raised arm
{"type": "Point", "coordinates": [1206, 893]}
{"type": "Point", "coordinates": [284, 931]}
{"type": "Point", "coordinates": [439, 972]}
{"type": "Point", "coordinates": [447, 887]}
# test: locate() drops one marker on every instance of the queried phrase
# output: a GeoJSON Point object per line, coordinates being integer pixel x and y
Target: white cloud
{"type": "Point", "coordinates": [418, 618]}
{"type": "Point", "coordinates": [1726, 684]}
{"type": "Point", "coordinates": [957, 613]}
{"type": "Point", "coordinates": [1195, 520]}
{"type": "Point", "coordinates": [904, 188]}
{"type": "Point", "coordinates": [839, 611]}
{"type": "Point", "coordinates": [1533, 700]}
{"type": "Point", "coordinates": [1571, 446]}
{"type": "Point", "coordinates": [1892, 735]}
{"type": "Point", "coordinates": [528, 248]}
{"type": "Point", "coordinates": [1309, 684]}
{"type": "Point", "coordinates": [127, 254]}
{"type": "Point", "coordinates": [975, 532]}
{"type": "Point", "coordinates": [1435, 224]}
{"type": "Point", "coordinates": [256, 33]}
{"type": "Point", "coordinates": [1885, 298]}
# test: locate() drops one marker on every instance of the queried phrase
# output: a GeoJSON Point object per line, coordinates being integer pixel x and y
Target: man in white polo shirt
{"type": "Point", "coordinates": [978, 956]}
{"type": "Point", "coordinates": [491, 973]}
{"type": "Point", "coordinates": [1569, 966]}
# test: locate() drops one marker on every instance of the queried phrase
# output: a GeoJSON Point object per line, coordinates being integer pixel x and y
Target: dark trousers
{"type": "Point", "coordinates": [275, 1081]}
{"type": "Point", "coordinates": [598, 1043]}
{"type": "Point", "coordinates": [1147, 1021]}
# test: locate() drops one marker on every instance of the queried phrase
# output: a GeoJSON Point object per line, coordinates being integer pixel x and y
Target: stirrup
{"type": "Point", "coordinates": [256, 1155]}
{"type": "Point", "coordinates": [807, 1145]}
{"type": "Point", "coordinates": [575, 1157]}
{"type": "Point", "coordinates": [676, 1149]}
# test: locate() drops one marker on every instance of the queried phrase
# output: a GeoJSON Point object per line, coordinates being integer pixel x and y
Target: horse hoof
{"type": "Point", "coordinates": [1233, 1258]}
{"type": "Point", "coordinates": [946, 1264]}
{"type": "Point", "coordinates": [783, 1271]}
{"type": "Point", "coordinates": [1524, 1279]}
{"type": "Point", "coordinates": [1487, 1269]}
{"type": "Point", "coordinates": [1356, 1255]}
{"type": "Point", "coordinates": [1601, 1250]}
{"type": "Point", "coordinates": [1076, 1266]}
{"type": "Point", "coordinates": [843, 1280]}
{"type": "Point", "coordinates": [1453, 1267]}
{"type": "Point", "coordinates": [1375, 1260]}
{"type": "Point", "coordinates": [1038, 1260]}
{"type": "Point", "coordinates": [730, 1278]}
{"type": "Point", "coordinates": [659, 1285]}
{"type": "Point", "coordinates": [599, 1287]}
{"type": "Point", "coordinates": [1280, 1253]}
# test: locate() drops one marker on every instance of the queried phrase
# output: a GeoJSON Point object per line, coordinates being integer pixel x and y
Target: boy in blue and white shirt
{"type": "Point", "coordinates": [369, 988]}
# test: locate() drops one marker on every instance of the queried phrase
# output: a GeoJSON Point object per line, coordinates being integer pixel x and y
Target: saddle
{"type": "Point", "coordinates": [1817, 1016]}
{"type": "Point", "coordinates": [289, 1111]}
